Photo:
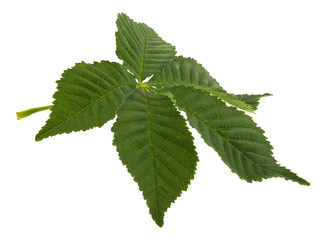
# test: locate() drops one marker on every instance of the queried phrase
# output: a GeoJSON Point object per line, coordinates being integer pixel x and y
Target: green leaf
{"type": "Point", "coordinates": [187, 72]}
{"type": "Point", "coordinates": [237, 139]}
{"type": "Point", "coordinates": [143, 52]}
{"type": "Point", "coordinates": [252, 99]}
{"type": "Point", "coordinates": [88, 96]}
{"type": "Point", "coordinates": [153, 141]}
{"type": "Point", "coordinates": [150, 134]}
{"type": "Point", "coordinates": [229, 98]}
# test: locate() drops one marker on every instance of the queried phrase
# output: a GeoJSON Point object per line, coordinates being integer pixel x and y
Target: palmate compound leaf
{"type": "Point", "coordinates": [88, 96]}
{"type": "Point", "coordinates": [154, 143]}
{"type": "Point", "coordinates": [143, 52]}
{"type": "Point", "coordinates": [151, 136]}
{"type": "Point", "coordinates": [233, 135]}
{"type": "Point", "coordinates": [187, 72]}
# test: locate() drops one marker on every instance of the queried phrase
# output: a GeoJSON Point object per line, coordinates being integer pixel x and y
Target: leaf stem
{"type": "Point", "coordinates": [31, 111]}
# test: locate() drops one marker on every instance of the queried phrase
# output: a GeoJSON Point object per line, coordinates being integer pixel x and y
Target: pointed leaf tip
{"type": "Point", "coordinates": [140, 48]}
{"type": "Point", "coordinates": [240, 143]}
{"type": "Point", "coordinates": [159, 223]}
{"type": "Point", "coordinates": [154, 143]}
{"type": "Point", "coordinates": [252, 99]}
{"type": "Point", "coordinates": [88, 96]}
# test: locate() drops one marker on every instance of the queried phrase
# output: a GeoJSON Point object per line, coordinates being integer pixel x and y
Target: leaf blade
{"type": "Point", "coordinates": [87, 96]}
{"type": "Point", "coordinates": [143, 52]}
{"type": "Point", "coordinates": [155, 145]}
{"type": "Point", "coordinates": [184, 71]}
{"type": "Point", "coordinates": [252, 99]}
{"type": "Point", "coordinates": [229, 98]}
{"type": "Point", "coordinates": [233, 135]}
{"type": "Point", "coordinates": [188, 72]}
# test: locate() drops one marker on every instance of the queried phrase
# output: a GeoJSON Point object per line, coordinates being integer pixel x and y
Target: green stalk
{"type": "Point", "coordinates": [30, 111]}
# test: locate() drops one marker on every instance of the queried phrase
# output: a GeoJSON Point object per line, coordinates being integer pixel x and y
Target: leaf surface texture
{"type": "Point", "coordinates": [233, 135]}
{"type": "Point", "coordinates": [154, 143]}
{"type": "Point", "coordinates": [252, 99]}
{"type": "Point", "coordinates": [143, 52]}
{"type": "Point", "coordinates": [88, 96]}
{"type": "Point", "coordinates": [187, 72]}
{"type": "Point", "coordinates": [150, 134]}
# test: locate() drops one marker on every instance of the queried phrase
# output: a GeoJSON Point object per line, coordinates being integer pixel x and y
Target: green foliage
{"type": "Point", "coordinates": [143, 52]}
{"type": "Point", "coordinates": [187, 72]}
{"type": "Point", "coordinates": [253, 99]}
{"type": "Point", "coordinates": [234, 135]}
{"type": "Point", "coordinates": [155, 144]}
{"type": "Point", "coordinates": [150, 134]}
{"type": "Point", "coordinates": [88, 96]}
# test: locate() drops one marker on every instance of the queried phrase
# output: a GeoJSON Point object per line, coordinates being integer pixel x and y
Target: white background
{"type": "Point", "coordinates": [75, 187]}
